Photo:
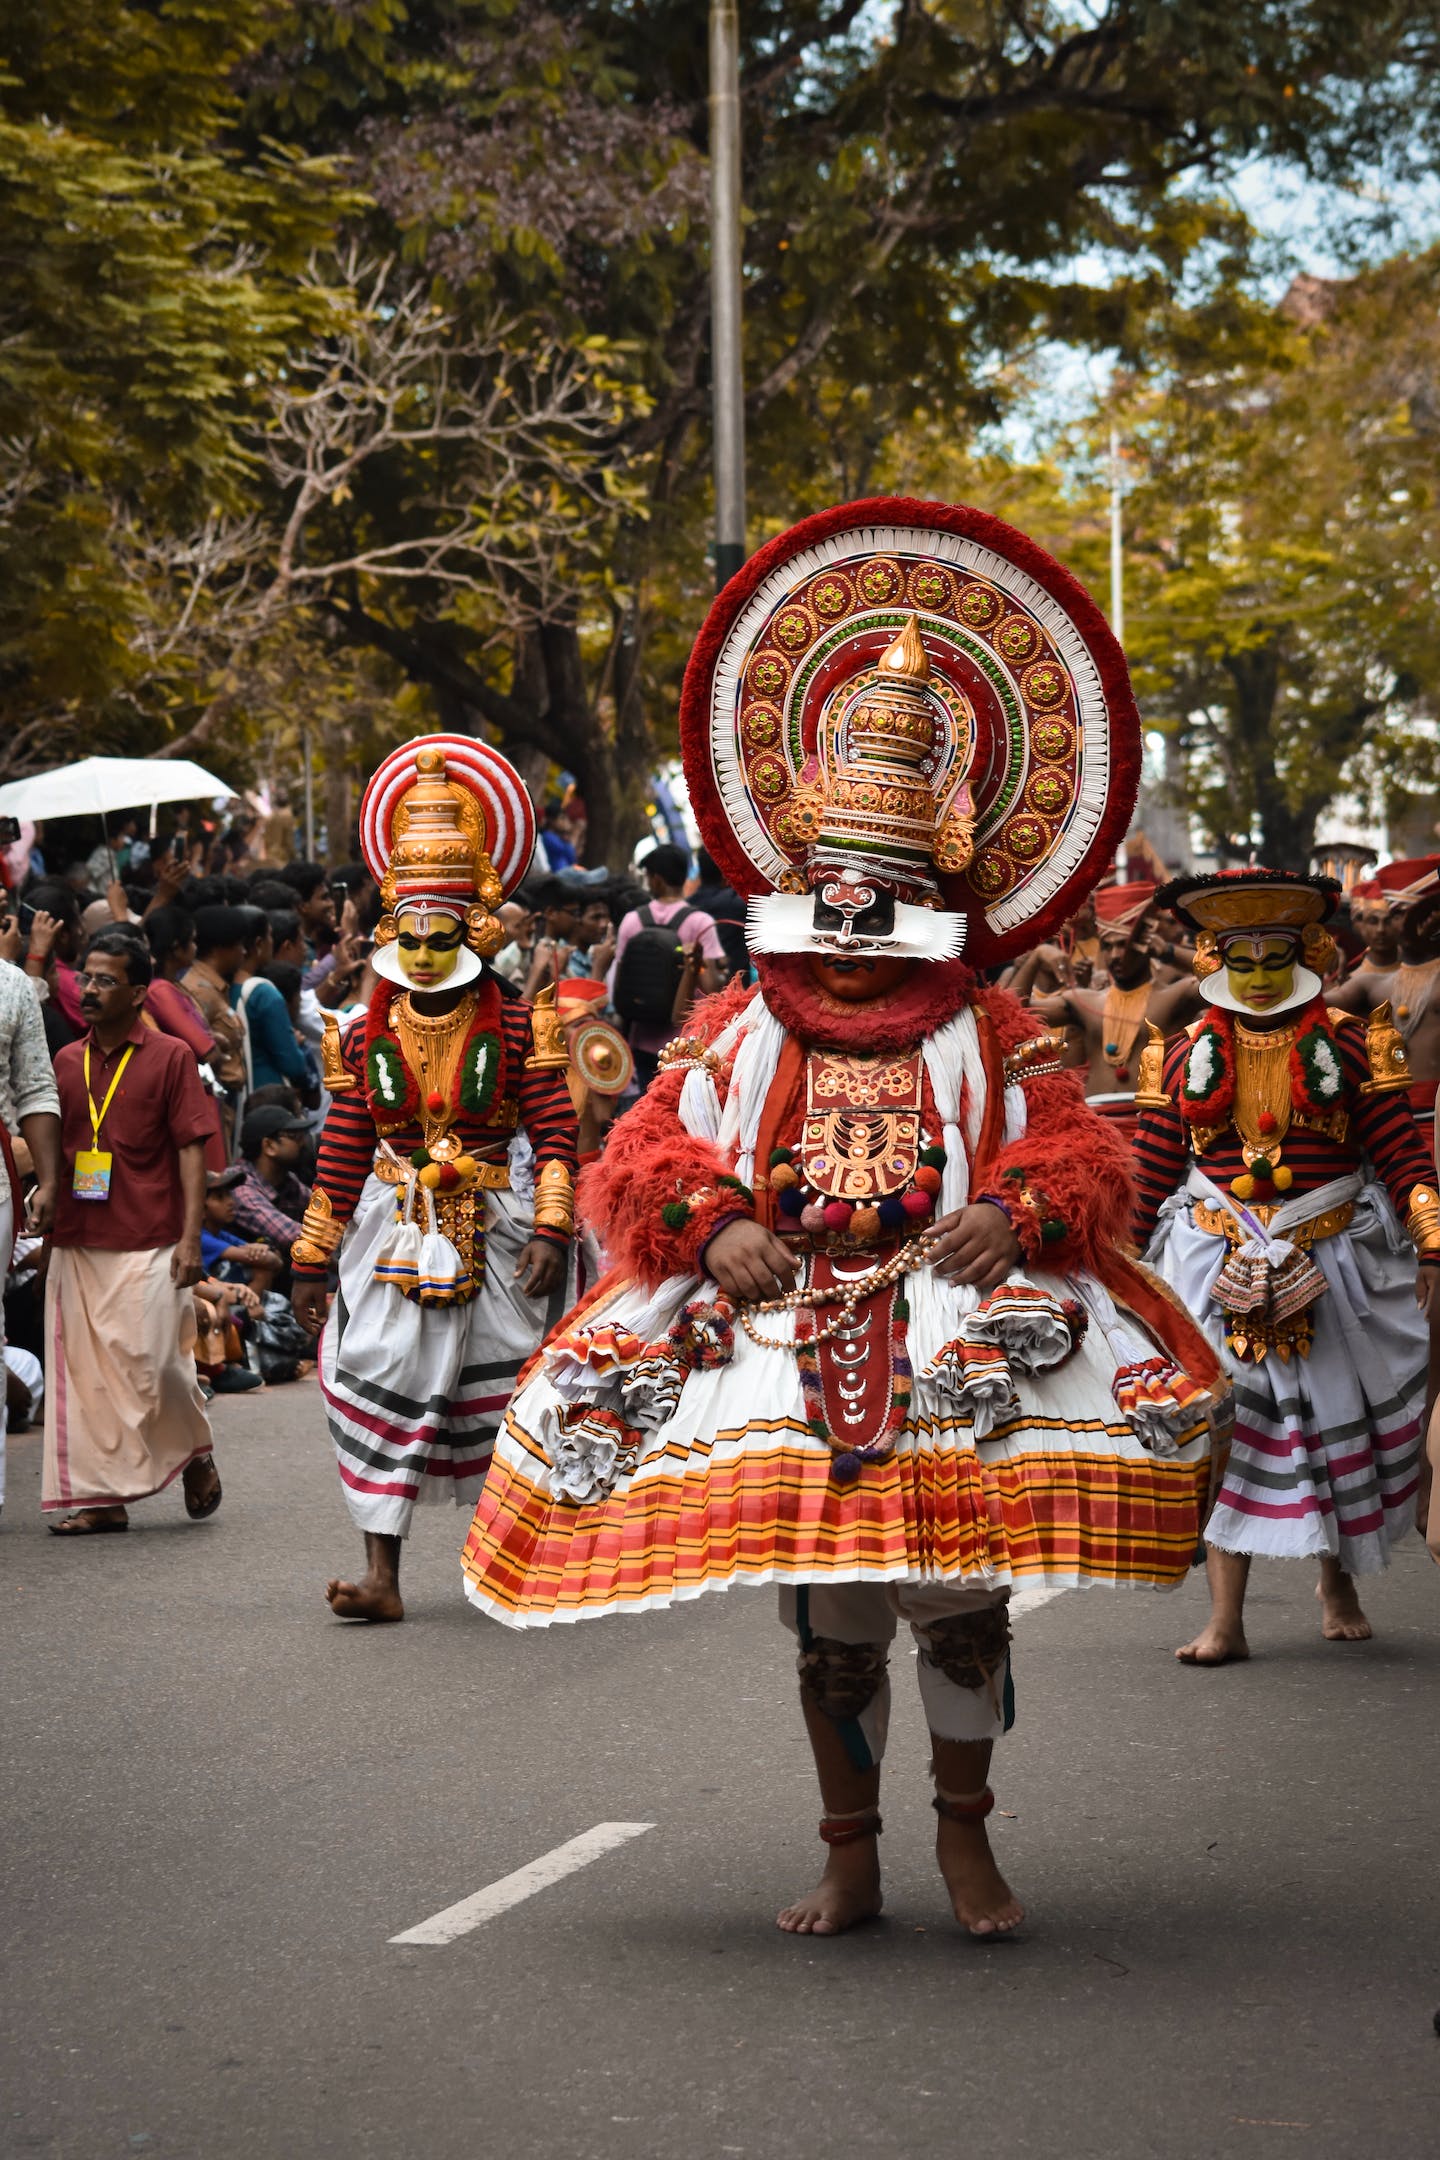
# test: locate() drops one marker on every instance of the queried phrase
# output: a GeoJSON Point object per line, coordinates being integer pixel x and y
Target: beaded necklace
{"type": "Point", "coordinates": [1121, 1020]}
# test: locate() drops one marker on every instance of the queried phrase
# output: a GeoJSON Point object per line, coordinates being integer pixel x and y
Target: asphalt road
{"type": "Point", "coordinates": [219, 1805]}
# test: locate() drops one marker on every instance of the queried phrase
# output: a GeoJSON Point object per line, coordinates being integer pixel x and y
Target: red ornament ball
{"type": "Point", "coordinates": [449, 1177]}
{"type": "Point", "coordinates": [435, 1101]}
{"type": "Point", "coordinates": [918, 1205]}
{"type": "Point", "coordinates": [1266, 1121]}
{"type": "Point", "coordinates": [928, 1180]}
{"type": "Point", "coordinates": [837, 1216]}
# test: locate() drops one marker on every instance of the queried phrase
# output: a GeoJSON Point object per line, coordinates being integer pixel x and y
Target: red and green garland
{"type": "Point", "coordinates": [392, 1089]}
{"type": "Point", "coordinates": [1317, 1073]}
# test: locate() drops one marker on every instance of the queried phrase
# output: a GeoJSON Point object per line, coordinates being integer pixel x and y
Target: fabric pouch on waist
{"type": "Point", "coordinates": [444, 1278]}
{"type": "Point", "coordinates": [399, 1261]}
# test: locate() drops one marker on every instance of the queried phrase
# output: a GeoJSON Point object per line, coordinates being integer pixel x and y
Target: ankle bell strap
{"type": "Point", "coordinates": [845, 1829]}
{"type": "Point", "coordinates": [968, 1807]}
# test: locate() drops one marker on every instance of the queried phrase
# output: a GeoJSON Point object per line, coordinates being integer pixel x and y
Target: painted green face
{"type": "Point", "coordinates": [1261, 972]}
{"type": "Point", "coordinates": [428, 945]}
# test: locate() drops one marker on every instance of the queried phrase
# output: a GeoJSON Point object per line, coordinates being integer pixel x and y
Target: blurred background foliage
{"type": "Point", "coordinates": [354, 364]}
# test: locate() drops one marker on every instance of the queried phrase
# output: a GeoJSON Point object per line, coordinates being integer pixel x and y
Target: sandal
{"type": "Point", "coordinates": [88, 1522]}
{"type": "Point", "coordinates": [198, 1513]}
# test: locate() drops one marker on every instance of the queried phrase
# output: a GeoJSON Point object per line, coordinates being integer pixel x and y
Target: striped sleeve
{"type": "Point", "coordinates": [347, 1145]}
{"type": "Point", "coordinates": [1160, 1149]}
{"type": "Point", "coordinates": [1384, 1125]}
{"type": "Point", "coordinates": [547, 1113]}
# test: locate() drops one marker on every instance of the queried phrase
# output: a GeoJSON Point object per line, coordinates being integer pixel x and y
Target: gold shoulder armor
{"type": "Point", "coordinates": [548, 1036]}
{"type": "Point", "coordinates": [1385, 1048]}
{"type": "Point", "coordinates": [332, 1063]}
{"type": "Point", "coordinates": [1150, 1085]}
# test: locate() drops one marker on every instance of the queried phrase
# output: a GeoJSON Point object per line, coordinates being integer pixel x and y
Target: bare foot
{"type": "Point", "coordinates": [370, 1599]}
{"type": "Point", "coordinates": [1341, 1619]}
{"type": "Point", "coordinates": [983, 1900]}
{"type": "Point", "coordinates": [1220, 1642]}
{"type": "Point", "coordinates": [847, 1892]}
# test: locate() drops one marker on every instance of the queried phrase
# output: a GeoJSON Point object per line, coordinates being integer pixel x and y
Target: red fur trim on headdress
{"type": "Point", "coordinates": [985, 948]}
{"type": "Point", "coordinates": [932, 993]}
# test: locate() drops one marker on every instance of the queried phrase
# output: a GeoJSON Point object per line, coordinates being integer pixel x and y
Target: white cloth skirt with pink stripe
{"type": "Point", "coordinates": [1326, 1454]}
{"type": "Point", "coordinates": [414, 1394]}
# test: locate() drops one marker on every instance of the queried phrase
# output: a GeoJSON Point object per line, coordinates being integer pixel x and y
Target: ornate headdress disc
{"type": "Point", "coordinates": [905, 726]}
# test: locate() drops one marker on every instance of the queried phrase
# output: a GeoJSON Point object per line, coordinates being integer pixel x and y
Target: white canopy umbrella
{"type": "Point", "coordinates": [99, 786]}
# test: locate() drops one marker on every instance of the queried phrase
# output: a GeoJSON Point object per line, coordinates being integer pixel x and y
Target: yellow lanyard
{"type": "Point", "coordinates": [97, 1117]}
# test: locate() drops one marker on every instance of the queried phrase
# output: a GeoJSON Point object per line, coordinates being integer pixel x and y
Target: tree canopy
{"type": "Point", "coordinates": [382, 326]}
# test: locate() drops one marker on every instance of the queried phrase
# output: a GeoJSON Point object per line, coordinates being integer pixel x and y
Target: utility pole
{"type": "Point", "coordinates": [727, 360]}
{"type": "Point", "coordinates": [309, 795]}
{"type": "Point", "coordinates": [1117, 572]}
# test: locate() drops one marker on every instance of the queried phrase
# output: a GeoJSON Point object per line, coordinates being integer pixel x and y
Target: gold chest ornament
{"type": "Point", "coordinates": [861, 1137]}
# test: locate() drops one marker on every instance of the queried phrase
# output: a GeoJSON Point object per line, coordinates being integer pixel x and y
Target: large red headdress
{"type": "Point", "coordinates": [446, 828]}
{"type": "Point", "coordinates": [911, 727]}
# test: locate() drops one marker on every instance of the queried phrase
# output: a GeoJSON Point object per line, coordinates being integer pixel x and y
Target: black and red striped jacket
{"type": "Point", "coordinates": [537, 1102]}
{"type": "Point", "coordinates": [1381, 1127]}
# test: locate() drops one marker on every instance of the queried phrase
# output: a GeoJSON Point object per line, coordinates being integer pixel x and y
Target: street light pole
{"type": "Point", "coordinates": [727, 360]}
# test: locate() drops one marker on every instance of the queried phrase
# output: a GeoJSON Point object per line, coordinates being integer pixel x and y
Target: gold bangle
{"type": "Point", "coordinates": [304, 1254]}
{"type": "Point", "coordinates": [555, 1199]}
{"type": "Point", "coordinates": [1423, 1220]}
{"type": "Point", "coordinates": [318, 1227]}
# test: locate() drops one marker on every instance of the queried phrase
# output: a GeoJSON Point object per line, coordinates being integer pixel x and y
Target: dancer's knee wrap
{"type": "Point", "coordinates": [841, 1679]}
{"type": "Point", "coordinates": [970, 1647]}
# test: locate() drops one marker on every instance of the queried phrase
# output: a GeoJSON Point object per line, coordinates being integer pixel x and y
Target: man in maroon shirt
{"type": "Point", "coordinates": [123, 1410]}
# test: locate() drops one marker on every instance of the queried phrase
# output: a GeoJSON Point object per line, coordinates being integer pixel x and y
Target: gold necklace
{"type": "Point", "coordinates": [430, 1044]}
{"type": "Point", "coordinates": [1121, 1020]}
{"type": "Point", "coordinates": [1262, 1089]}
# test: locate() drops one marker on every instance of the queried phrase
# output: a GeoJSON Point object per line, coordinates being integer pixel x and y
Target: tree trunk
{"type": "Point", "coordinates": [1256, 677]}
{"type": "Point", "coordinates": [339, 809]}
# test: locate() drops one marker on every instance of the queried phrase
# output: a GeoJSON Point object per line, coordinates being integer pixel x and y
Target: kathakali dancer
{"type": "Point", "coordinates": [869, 1334]}
{"type": "Point", "coordinates": [446, 1170]}
{"type": "Point", "coordinates": [1277, 1160]}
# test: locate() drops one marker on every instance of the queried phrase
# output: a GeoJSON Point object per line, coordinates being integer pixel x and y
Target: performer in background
{"type": "Point", "coordinates": [445, 1177]}
{"type": "Point", "coordinates": [871, 1335]}
{"type": "Point", "coordinates": [1277, 1160]}
{"type": "Point", "coordinates": [1378, 927]}
{"type": "Point", "coordinates": [1411, 890]}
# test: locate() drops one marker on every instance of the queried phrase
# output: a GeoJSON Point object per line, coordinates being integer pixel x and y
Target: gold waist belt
{"type": "Point", "coordinates": [1219, 1222]}
{"type": "Point", "coordinates": [489, 1177]}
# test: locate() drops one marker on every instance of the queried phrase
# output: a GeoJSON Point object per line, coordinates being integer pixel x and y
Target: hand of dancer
{"type": "Point", "coordinates": [975, 1245]}
{"type": "Point", "coordinates": [309, 1304]}
{"type": "Point", "coordinates": [540, 1267]}
{"type": "Point", "coordinates": [749, 1262]}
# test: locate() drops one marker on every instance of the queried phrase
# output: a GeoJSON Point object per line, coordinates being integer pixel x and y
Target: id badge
{"type": "Point", "coordinates": [92, 1174]}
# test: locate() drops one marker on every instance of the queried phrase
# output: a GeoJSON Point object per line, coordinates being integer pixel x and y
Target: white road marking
{"type": "Point", "coordinates": [498, 1897]}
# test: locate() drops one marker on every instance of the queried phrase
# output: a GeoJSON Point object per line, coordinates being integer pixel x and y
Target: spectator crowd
{"type": "Point", "coordinates": [163, 1006]}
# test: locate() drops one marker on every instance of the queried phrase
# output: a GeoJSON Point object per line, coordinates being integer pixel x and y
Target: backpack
{"type": "Point", "coordinates": [648, 975]}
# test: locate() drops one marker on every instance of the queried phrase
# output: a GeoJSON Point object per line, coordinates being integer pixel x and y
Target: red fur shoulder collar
{"type": "Point", "coordinates": [932, 994]}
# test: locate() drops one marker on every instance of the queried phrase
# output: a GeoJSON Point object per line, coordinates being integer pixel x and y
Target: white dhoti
{"type": "Point", "coordinates": [1325, 1459]}
{"type": "Point", "coordinates": [414, 1393]}
{"type": "Point", "coordinates": [123, 1409]}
